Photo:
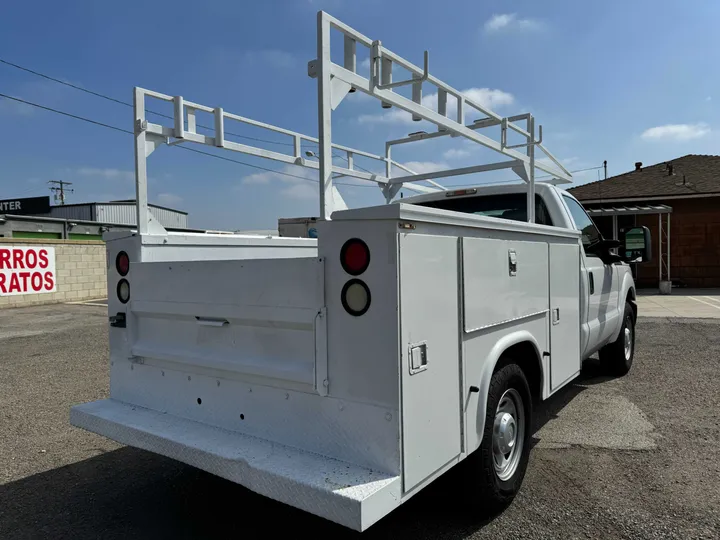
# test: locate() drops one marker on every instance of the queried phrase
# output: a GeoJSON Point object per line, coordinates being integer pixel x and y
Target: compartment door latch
{"type": "Point", "coordinates": [418, 358]}
{"type": "Point", "coordinates": [512, 262]}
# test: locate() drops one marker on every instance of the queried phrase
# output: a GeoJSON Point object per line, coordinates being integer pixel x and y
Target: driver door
{"type": "Point", "coordinates": [598, 284]}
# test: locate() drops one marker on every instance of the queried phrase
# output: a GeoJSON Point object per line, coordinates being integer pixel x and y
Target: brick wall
{"type": "Point", "coordinates": [694, 243]}
{"type": "Point", "coordinates": [80, 267]}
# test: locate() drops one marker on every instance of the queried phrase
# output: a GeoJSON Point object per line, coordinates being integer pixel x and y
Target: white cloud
{"type": "Point", "coordinates": [485, 97]}
{"type": "Point", "coordinates": [365, 64]}
{"type": "Point", "coordinates": [509, 21]}
{"type": "Point", "coordinates": [709, 98]}
{"type": "Point", "coordinates": [676, 132]}
{"type": "Point", "coordinates": [421, 167]}
{"type": "Point", "coordinates": [108, 174]}
{"type": "Point", "coordinates": [456, 153]}
{"type": "Point", "coordinates": [302, 184]}
{"type": "Point", "coordinates": [301, 191]}
{"type": "Point", "coordinates": [274, 57]}
{"type": "Point", "coordinates": [260, 178]}
{"type": "Point", "coordinates": [169, 199]}
{"type": "Point", "coordinates": [567, 162]}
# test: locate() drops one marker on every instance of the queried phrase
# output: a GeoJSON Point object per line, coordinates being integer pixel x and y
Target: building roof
{"type": "Point", "coordinates": [120, 203]}
{"type": "Point", "coordinates": [685, 176]}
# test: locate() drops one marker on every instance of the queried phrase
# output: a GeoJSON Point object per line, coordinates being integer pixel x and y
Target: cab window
{"type": "Point", "coordinates": [506, 206]}
{"type": "Point", "coordinates": [583, 223]}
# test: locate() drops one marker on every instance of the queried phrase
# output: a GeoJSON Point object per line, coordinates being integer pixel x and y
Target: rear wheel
{"type": "Point", "coordinates": [618, 356]}
{"type": "Point", "coordinates": [495, 471]}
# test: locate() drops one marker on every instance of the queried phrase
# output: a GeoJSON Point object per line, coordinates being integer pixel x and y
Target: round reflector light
{"type": "Point", "coordinates": [355, 256]}
{"type": "Point", "coordinates": [122, 263]}
{"type": "Point", "coordinates": [123, 291]}
{"type": "Point", "coordinates": [355, 297]}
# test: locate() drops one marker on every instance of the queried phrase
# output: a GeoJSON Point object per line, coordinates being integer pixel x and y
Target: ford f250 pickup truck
{"type": "Point", "coordinates": [341, 375]}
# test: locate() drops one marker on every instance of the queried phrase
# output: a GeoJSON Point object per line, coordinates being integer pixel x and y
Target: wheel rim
{"type": "Point", "coordinates": [628, 338]}
{"type": "Point", "coordinates": [508, 434]}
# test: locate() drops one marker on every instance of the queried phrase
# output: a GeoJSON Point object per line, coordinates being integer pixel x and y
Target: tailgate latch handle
{"type": "Point", "coordinates": [212, 321]}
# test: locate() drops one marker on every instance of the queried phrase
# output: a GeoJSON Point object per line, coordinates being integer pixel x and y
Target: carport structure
{"type": "Point", "coordinates": [623, 217]}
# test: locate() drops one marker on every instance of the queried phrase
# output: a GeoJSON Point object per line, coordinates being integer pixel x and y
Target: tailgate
{"type": "Point", "coordinates": [252, 319]}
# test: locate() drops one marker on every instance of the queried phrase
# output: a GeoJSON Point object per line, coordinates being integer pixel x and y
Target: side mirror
{"type": "Point", "coordinates": [637, 245]}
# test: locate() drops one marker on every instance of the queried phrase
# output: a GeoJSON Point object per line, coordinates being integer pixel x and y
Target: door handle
{"type": "Point", "coordinates": [211, 321]}
{"type": "Point", "coordinates": [591, 278]}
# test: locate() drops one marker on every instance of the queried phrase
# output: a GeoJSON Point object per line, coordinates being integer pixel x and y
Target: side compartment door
{"type": "Point", "coordinates": [430, 358]}
{"type": "Point", "coordinates": [564, 273]}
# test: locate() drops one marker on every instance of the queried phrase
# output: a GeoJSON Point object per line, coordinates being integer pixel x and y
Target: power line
{"type": "Point", "coordinates": [66, 114]}
{"type": "Point", "coordinates": [127, 104]}
{"type": "Point", "coordinates": [76, 117]}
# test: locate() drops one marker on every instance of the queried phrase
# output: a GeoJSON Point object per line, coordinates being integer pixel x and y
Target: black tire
{"type": "Point", "coordinates": [613, 355]}
{"type": "Point", "coordinates": [484, 487]}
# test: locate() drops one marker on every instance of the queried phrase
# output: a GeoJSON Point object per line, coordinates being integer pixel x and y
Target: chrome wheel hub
{"type": "Point", "coordinates": [628, 340]}
{"type": "Point", "coordinates": [508, 434]}
{"type": "Point", "coordinates": [505, 429]}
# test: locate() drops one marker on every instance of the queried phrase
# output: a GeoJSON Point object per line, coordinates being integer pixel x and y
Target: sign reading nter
{"type": "Point", "coordinates": [27, 270]}
{"type": "Point", "coordinates": [25, 207]}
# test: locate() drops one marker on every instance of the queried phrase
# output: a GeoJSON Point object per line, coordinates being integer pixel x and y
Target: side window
{"type": "Point", "coordinates": [590, 233]}
{"type": "Point", "coordinates": [541, 212]}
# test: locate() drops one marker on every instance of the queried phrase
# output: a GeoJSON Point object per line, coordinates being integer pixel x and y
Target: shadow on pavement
{"type": "Point", "coordinates": [130, 493]}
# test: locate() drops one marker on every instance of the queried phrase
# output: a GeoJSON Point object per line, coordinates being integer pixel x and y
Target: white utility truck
{"type": "Point", "coordinates": [343, 374]}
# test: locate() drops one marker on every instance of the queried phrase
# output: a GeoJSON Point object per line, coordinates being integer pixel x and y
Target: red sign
{"type": "Point", "coordinates": [27, 270]}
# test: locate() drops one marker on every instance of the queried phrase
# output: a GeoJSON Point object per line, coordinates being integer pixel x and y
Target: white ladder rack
{"type": "Point", "coordinates": [334, 83]}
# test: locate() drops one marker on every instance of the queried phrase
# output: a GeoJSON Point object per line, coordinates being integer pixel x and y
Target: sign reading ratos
{"type": "Point", "coordinates": [27, 270]}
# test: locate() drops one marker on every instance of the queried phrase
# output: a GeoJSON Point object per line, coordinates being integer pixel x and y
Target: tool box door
{"type": "Point", "coordinates": [430, 361]}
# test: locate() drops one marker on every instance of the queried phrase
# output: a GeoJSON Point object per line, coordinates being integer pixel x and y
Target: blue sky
{"type": "Point", "coordinates": [615, 80]}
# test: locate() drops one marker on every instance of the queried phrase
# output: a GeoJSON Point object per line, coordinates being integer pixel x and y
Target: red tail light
{"type": "Point", "coordinates": [355, 256]}
{"type": "Point", "coordinates": [122, 263]}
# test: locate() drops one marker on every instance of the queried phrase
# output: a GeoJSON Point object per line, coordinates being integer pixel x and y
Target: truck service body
{"type": "Point", "coordinates": [343, 374]}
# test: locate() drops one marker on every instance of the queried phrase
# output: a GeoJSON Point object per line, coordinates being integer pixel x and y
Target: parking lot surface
{"type": "Point", "coordinates": [681, 303]}
{"type": "Point", "coordinates": [636, 457]}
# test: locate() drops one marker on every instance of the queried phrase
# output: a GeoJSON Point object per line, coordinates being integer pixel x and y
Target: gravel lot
{"type": "Point", "coordinates": [637, 457]}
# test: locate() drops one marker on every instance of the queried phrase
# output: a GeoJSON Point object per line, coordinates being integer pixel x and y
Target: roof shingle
{"type": "Point", "coordinates": [700, 173]}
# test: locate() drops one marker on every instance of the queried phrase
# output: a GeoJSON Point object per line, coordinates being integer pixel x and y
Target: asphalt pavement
{"type": "Point", "coordinates": [636, 457]}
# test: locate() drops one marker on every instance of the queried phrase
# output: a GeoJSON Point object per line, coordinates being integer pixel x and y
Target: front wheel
{"type": "Point", "coordinates": [498, 467]}
{"type": "Point", "coordinates": [618, 355]}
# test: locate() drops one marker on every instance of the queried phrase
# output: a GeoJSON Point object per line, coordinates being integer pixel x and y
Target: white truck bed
{"type": "Point", "coordinates": [252, 369]}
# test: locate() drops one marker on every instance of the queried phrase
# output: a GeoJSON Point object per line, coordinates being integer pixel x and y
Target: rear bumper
{"type": "Point", "coordinates": [343, 493]}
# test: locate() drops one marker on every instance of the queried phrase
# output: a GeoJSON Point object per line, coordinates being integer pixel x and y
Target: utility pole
{"type": "Point", "coordinates": [61, 189]}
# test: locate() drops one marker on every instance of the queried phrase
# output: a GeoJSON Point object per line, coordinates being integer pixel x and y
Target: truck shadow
{"type": "Point", "coordinates": [129, 493]}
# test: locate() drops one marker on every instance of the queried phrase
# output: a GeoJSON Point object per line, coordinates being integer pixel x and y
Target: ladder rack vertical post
{"type": "Point", "coordinates": [141, 205]}
{"type": "Point", "coordinates": [324, 117]}
{"type": "Point", "coordinates": [531, 170]}
{"type": "Point", "coordinates": [660, 255]}
{"type": "Point", "coordinates": [668, 248]}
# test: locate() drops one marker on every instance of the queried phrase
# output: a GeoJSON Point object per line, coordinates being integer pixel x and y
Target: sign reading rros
{"type": "Point", "coordinates": [27, 270]}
